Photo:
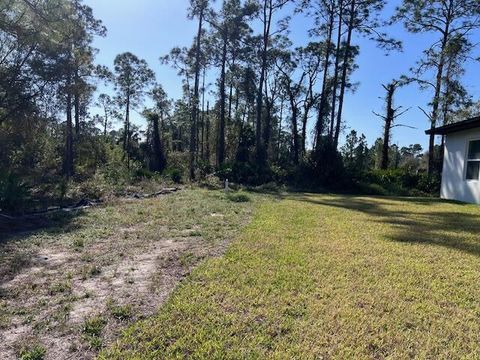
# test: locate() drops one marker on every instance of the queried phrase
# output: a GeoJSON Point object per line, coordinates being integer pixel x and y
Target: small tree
{"type": "Point", "coordinates": [132, 76]}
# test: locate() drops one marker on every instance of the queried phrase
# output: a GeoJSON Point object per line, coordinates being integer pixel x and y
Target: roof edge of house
{"type": "Point", "coordinates": [468, 124]}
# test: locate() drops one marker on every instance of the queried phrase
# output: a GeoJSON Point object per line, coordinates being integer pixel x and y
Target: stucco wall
{"type": "Point", "coordinates": [454, 184]}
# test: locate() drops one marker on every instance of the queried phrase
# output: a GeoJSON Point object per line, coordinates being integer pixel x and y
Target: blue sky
{"type": "Point", "coordinates": [150, 28]}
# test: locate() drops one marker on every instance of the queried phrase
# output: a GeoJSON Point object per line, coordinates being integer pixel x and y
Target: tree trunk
{"type": "Point", "coordinates": [202, 142]}
{"type": "Point", "coordinates": [160, 162]}
{"type": "Point", "coordinates": [68, 166]}
{"type": "Point", "coordinates": [294, 110]}
{"type": "Point", "coordinates": [280, 121]}
{"type": "Point", "coordinates": [336, 70]}
{"type": "Point", "coordinates": [304, 132]}
{"type": "Point", "coordinates": [295, 137]}
{"type": "Point", "coordinates": [346, 60]}
{"type": "Point", "coordinates": [126, 135]}
{"type": "Point", "coordinates": [436, 98]}
{"type": "Point", "coordinates": [324, 95]}
{"type": "Point", "coordinates": [221, 125]}
{"type": "Point", "coordinates": [207, 135]}
{"type": "Point", "coordinates": [260, 150]}
{"type": "Point", "coordinates": [388, 127]}
{"type": "Point", "coordinates": [193, 130]}
{"type": "Point", "coordinates": [77, 113]}
{"type": "Point", "coordinates": [105, 124]}
{"type": "Point", "coordinates": [77, 104]}
{"type": "Point", "coordinates": [268, 120]}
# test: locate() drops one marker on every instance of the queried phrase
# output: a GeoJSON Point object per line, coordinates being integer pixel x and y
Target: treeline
{"type": "Point", "coordinates": [273, 112]}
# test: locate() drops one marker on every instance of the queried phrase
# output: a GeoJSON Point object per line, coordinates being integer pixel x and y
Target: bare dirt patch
{"type": "Point", "coordinates": [71, 289]}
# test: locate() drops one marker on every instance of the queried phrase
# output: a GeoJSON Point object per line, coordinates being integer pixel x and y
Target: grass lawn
{"type": "Point", "coordinates": [68, 287]}
{"type": "Point", "coordinates": [321, 277]}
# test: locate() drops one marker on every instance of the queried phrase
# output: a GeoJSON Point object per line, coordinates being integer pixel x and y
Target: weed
{"type": "Point", "coordinates": [18, 261]}
{"type": "Point", "coordinates": [60, 287]}
{"type": "Point", "coordinates": [94, 326]}
{"type": "Point", "coordinates": [119, 312]}
{"type": "Point", "coordinates": [89, 271]}
{"type": "Point", "coordinates": [36, 352]}
{"type": "Point", "coordinates": [78, 243]}
{"type": "Point", "coordinates": [238, 197]}
{"type": "Point", "coordinates": [92, 331]}
{"type": "Point", "coordinates": [187, 259]}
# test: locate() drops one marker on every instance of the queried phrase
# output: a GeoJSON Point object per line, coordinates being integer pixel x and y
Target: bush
{"type": "Point", "coordinates": [14, 193]}
{"type": "Point", "coordinates": [226, 172]}
{"type": "Point", "coordinates": [400, 182]}
{"type": "Point", "coordinates": [175, 175]}
{"type": "Point", "coordinates": [143, 173]}
{"type": "Point", "coordinates": [212, 182]}
{"type": "Point", "coordinates": [429, 184]}
{"type": "Point", "coordinates": [94, 188]}
{"type": "Point", "coordinates": [371, 189]}
{"type": "Point", "coordinates": [238, 197]}
{"type": "Point", "coordinates": [324, 168]}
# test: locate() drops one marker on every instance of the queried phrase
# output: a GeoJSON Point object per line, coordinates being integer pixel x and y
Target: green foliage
{"type": "Point", "coordinates": [175, 175]}
{"type": "Point", "coordinates": [398, 182]}
{"type": "Point", "coordinates": [92, 331]}
{"type": "Point", "coordinates": [429, 184]}
{"type": "Point", "coordinates": [238, 197]}
{"type": "Point", "coordinates": [325, 167]}
{"type": "Point", "coordinates": [115, 171]}
{"type": "Point", "coordinates": [211, 182]}
{"type": "Point", "coordinates": [14, 192]}
{"type": "Point", "coordinates": [37, 352]}
{"type": "Point", "coordinates": [119, 312]}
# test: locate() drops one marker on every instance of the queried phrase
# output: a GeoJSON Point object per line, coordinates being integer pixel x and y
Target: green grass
{"type": "Point", "coordinates": [67, 258]}
{"type": "Point", "coordinates": [321, 277]}
{"type": "Point", "coordinates": [37, 352]}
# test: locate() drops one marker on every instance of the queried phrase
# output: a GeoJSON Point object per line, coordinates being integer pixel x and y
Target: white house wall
{"type": "Point", "coordinates": [454, 184]}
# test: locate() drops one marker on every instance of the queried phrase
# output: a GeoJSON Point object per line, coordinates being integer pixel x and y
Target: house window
{"type": "Point", "coordinates": [473, 160]}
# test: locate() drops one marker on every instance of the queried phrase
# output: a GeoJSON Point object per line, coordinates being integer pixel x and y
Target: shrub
{"type": "Point", "coordinates": [175, 175]}
{"type": "Point", "coordinates": [429, 184]}
{"type": "Point", "coordinates": [324, 168]}
{"type": "Point", "coordinates": [371, 189]}
{"type": "Point", "coordinates": [178, 160]}
{"type": "Point", "coordinates": [238, 197]}
{"type": "Point", "coordinates": [401, 182]}
{"type": "Point", "coordinates": [211, 182]}
{"type": "Point", "coordinates": [226, 172]}
{"type": "Point", "coordinates": [14, 193]}
{"type": "Point", "coordinates": [143, 173]}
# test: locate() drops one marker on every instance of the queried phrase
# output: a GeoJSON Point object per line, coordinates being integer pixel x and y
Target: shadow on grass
{"type": "Point", "coordinates": [415, 220]}
{"type": "Point", "coordinates": [15, 253]}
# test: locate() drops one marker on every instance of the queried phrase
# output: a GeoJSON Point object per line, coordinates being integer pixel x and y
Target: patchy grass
{"type": "Point", "coordinates": [320, 277]}
{"type": "Point", "coordinates": [238, 197]}
{"type": "Point", "coordinates": [92, 331]}
{"type": "Point", "coordinates": [118, 262]}
{"type": "Point", "coordinates": [37, 352]}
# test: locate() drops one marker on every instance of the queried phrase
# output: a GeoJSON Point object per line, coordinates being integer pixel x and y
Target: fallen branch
{"type": "Point", "coordinates": [81, 205]}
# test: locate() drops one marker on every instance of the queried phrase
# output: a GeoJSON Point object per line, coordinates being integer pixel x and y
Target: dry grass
{"type": "Point", "coordinates": [70, 286]}
{"type": "Point", "coordinates": [329, 277]}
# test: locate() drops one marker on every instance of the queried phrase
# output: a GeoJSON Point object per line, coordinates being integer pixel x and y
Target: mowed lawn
{"type": "Point", "coordinates": [329, 277]}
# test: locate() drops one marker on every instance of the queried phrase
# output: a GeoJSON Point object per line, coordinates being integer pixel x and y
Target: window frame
{"type": "Point", "coordinates": [468, 160]}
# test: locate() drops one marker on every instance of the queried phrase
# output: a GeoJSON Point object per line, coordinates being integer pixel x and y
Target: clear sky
{"type": "Point", "coordinates": [150, 28]}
